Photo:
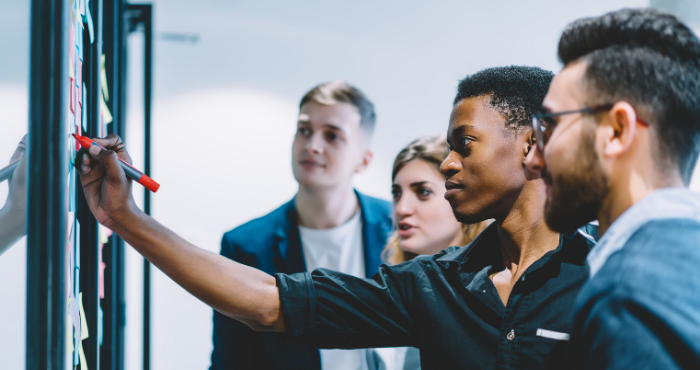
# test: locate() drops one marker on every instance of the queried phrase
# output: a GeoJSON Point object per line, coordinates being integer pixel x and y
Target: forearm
{"type": "Point", "coordinates": [238, 291]}
{"type": "Point", "coordinates": [13, 225]}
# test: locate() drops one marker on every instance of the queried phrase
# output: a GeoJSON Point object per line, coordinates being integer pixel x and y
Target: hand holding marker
{"type": "Point", "coordinates": [131, 172]}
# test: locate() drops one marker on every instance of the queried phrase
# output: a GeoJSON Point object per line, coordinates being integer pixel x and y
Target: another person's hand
{"type": "Point", "coordinates": [13, 215]}
{"type": "Point", "coordinates": [17, 195]}
{"type": "Point", "coordinates": [107, 189]}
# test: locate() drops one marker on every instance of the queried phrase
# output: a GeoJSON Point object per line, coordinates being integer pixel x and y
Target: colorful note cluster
{"type": "Point", "coordinates": [80, 21]}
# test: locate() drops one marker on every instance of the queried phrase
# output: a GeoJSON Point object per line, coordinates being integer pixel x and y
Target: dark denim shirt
{"type": "Point", "coordinates": [272, 244]}
{"type": "Point", "coordinates": [641, 307]}
{"type": "Point", "coordinates": [446, 305]}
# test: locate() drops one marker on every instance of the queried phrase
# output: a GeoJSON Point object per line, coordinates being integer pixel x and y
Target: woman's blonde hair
{"type": "Point", "coordinates": [432, 149]}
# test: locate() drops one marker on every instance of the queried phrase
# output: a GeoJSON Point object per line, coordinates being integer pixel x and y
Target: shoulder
{"type": "Point", "coordinates": [658, 263]}
{"type": "Point", "coordinates": [259, 231]}
{"type": "Point", "coordinates": [379, 207]}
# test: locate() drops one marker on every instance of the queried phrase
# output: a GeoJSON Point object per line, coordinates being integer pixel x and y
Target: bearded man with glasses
{"type": "Point", "coordinates": [618, 142]}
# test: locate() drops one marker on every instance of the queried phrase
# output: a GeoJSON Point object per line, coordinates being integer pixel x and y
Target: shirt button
{"type": "Point", "coordinates": [511, 335]}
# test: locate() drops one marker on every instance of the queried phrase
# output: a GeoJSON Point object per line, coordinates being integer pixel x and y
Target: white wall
{"type": "Point", "coordinates": [224, 110]}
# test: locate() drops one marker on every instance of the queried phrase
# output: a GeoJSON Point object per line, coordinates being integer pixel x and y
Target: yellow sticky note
{"type": "Point", "coordinates": [103, 79]}
{"type": "Point", "coordinates": [83, 322]}
{"type": "Point", "coordinates": [83, 361]}
{"type": "Point", "coordinates": [106, 114]}
{"type": "Point", "coordinates": [102, 233]}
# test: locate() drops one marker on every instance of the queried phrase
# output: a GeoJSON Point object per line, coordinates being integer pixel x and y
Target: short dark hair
{"type": "Point", "coordinates": [516, 92]}
{"type": "Point", "coordinates": [342, 92]}
{"type": "Point", "coordinates": [651, 60]}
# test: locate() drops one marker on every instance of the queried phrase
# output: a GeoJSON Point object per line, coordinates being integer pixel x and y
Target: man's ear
{"type": "Point", "coordinates": [529, 141]}
{"type": "Point", "coordinates": [618, 128]}
{"type": "Point", "coordinates": [367, 156]}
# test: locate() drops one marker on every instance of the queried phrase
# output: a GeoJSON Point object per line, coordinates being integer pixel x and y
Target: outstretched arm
{"type": "Point", "coordinates": [238, 291]}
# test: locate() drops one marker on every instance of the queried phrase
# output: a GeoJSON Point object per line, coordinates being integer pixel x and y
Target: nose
{"type": "Point", "coordinates": [314, 144]}
{"type": "Point", "coordinates": [535, 161]}
{"type": "Point", "coordinates": [404, 207]}
{"type": "Point", "coordinates": [451, 165]}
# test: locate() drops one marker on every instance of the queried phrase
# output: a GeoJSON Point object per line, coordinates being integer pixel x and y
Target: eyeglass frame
{"type": "Point", "coordinates": [540, 129]}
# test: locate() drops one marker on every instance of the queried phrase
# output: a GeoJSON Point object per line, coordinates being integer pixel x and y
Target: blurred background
{"type": "Point", "coordinates": [225, 109]}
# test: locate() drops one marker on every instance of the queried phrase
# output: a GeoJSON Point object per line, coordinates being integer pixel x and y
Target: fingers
{"type": "Point", "coordinates": [83, 161]}
{"type": "Point", "coordinates": [111, 141]}
{"type": "Point", "coordinates": [110, 162]}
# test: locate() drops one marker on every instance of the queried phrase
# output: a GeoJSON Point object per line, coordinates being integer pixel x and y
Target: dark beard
{"type": "Point", "coordinates": [578, 193]}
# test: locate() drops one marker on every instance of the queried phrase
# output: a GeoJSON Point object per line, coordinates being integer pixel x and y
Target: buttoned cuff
{"type": "Point", "coordinates": [298, 304]}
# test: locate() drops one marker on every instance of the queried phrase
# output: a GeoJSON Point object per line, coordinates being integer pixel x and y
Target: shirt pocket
{"type": "Point", "coordinates": [550, 334]}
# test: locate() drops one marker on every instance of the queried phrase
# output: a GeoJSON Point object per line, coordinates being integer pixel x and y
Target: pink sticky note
{"type": "Point", "coordinates": [79, 80]}
{"type": "Point", "coordinates": [71, 39]}
{"type": "Point", "coordinates": [79, 123]}
{"type": "Point", "coordinates": [72, 95]}
{"type": "Point", "coordinates": [101, 279]}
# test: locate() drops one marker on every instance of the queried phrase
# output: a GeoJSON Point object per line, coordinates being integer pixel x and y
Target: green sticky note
{"type": "Point", "coordinates": [83, 321]}
{"type": "Point", "coordinates": [83, 361]}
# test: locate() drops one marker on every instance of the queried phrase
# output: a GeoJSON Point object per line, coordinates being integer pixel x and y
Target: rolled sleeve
{"type": "Point", "coordinates": [328, 309]}
{"type": "Point", "coordinates": [298, 302]}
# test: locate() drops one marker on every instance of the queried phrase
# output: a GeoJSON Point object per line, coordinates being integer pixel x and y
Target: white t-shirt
{"type": "Point", "coordinates": [339, 249]}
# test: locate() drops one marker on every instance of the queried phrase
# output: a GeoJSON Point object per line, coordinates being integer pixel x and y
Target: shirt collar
{"type": "Point", "coordinates": [485, 249]}
{"type": "Point", "coordinates": [660, 204]}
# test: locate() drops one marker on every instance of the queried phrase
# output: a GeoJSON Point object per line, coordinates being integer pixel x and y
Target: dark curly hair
{"type": "Point", "coordinates": [651, 60]}
{"type": "Point", "coordinates": [516, 92]}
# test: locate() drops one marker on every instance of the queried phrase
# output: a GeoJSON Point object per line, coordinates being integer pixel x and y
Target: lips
{"type": "Point", "coordinates": [310, 163]}
{"type": "Point", "coordinates": [406, 230]}
{"type": "Point", "coordinates": [452, 188]}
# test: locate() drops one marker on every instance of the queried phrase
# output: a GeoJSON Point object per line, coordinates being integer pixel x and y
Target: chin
{"type": "Point", "coordinates": [469, 216]}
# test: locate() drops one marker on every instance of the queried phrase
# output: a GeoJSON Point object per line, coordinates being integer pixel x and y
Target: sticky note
{"type": "Point", "coordinates": [72, 95]}
{"type": "Point", "coordinates": [69, 331]}
{"type": "Point", "coordinates": [103, 79]}
{"type": "Point", "coordinates": [79, 79]}
{"type": "Point", "coordinates": [87, 17]}
{"type": "Point", "coordinates": [83, 361]}
{"type": "Point", "coordinates": [83, 323]}
{"type": "Point", "coordinates": [104, 111]}
{"type": "Point", "coordinates": [71, 204]}
{"type": "Point", "coordinates": [71, 41]}
{"type": "Point", "coordinates": [84, 108]}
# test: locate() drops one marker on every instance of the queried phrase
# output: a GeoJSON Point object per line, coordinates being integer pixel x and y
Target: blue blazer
{"type": "Point", "coordinates": [272, 244]}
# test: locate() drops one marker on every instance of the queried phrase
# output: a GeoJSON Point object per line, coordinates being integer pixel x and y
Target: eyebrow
{"type": "Point", "coordinates": [419, 183]}
{"type": "Point", "coordinates": [326, 125]}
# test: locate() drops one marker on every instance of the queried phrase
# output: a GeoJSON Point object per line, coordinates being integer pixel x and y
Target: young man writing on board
{"type": "Point", "coordinates": [499, 303]}
{"type": "Point", "coordinates": [326, 225]}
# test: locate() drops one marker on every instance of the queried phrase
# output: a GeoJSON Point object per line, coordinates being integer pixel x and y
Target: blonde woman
{"type": "Point", "coordinates": [424, 222]}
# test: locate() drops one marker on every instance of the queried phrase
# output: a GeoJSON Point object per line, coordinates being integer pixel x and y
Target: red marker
{"type": "Point", "coordinates": [133, 173]}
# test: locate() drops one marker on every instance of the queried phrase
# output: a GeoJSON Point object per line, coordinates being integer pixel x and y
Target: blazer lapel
{"type": "Point", "coordinates": [290, 258]}
{"type": "Point", "coordinates": [374, 234]}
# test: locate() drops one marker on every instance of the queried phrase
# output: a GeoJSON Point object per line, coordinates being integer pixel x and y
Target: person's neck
{"type": "Point", "coordinates": [326, 208]}
{"type": "Point", "coordinates": [523, 233]}
{"type": "Point", "coordinates": [628, 189]}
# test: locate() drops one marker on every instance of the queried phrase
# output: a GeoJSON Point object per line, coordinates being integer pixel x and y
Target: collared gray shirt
{"type": "Point", "coordinates": [640, 309]}
{"type": "Point", "coordinates": [667, 203]}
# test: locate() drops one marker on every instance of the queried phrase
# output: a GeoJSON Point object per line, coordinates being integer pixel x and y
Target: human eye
{"type": "Point", "coordinates": [466, 141]}
{"type": "Point", "coordinates": [303, 131]}
{"type": "Point", "coordinates": [395, 193]}
{"type": "Point", "coordinates": [423, 192]}
{"type": "Point", "coordinates": [331, 136]}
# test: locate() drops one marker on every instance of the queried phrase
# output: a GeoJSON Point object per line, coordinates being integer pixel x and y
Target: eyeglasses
{"type": "Point", "coordinates": [543, 124]}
